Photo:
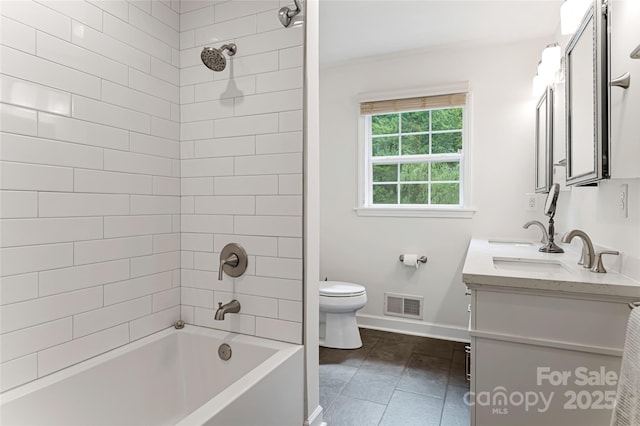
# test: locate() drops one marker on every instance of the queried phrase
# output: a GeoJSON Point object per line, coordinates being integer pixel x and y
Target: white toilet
{"type": "Point", "coordinates": [339, 302]}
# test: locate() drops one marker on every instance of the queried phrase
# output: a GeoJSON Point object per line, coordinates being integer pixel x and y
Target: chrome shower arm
{"type": "Point", "coordinates": [231, 48]}
{"type": "Point", "coordinates": [286, 13]}
{"type": "Point", "coordinates": [298, 7]}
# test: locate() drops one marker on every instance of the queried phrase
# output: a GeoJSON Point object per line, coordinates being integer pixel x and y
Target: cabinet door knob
{"type": "Point", "coordinates": [623, 81]}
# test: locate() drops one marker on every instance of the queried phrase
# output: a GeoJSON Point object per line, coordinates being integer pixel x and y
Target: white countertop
{"type": "Point", "coordinates": [569, 277]}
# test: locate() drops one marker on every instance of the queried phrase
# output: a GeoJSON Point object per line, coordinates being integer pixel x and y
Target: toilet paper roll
{"type": "Point", "coordinates": [411, 260]}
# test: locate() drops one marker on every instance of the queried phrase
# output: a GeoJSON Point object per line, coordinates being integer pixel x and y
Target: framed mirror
{"type": "Point", "coordinates": [544, 142]}
{"type": "Point", "coordinates": [587, 99]}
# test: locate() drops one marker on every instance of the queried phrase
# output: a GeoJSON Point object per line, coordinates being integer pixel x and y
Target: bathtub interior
{"type": "Point", "coordinates": [157, 382]}
{"type": "Point", "coordinates": [122, 389]}
{"type": "Point", "coordinates": [204, 374]}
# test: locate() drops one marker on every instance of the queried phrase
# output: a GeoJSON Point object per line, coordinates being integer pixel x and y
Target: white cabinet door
{"type": "Point", "coordinates": [527, 385]}
{"type": "Point", "coordinates": [625, 103]}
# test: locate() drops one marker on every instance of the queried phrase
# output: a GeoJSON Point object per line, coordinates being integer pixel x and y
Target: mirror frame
{"type": "Point", "coordinates": [547, 139]}
{"type": "Point", "coordinates": [600, 124]}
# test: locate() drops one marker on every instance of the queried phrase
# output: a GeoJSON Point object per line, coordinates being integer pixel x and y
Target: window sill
{"type": "Point", "coordinates": [444, 212]}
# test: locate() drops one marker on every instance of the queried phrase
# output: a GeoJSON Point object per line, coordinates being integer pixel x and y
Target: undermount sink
{"type": "Point", "coordinates": [527, 265]}
{"type": "Point", "coordinates": [511, 242]}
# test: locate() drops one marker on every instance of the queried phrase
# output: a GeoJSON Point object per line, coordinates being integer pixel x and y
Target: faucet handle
{"type": "Point", "coordinates": [233, 261]}
{"type": "Point", "coordinates": [597, 264]}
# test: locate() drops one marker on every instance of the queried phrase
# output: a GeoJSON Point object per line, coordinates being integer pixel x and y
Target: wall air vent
{"type": "Point", "coordinates": [403, 305]}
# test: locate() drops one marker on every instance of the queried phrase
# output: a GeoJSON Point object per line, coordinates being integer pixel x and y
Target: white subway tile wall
{"type": "Point", "coordinates": [90, 180]}
{"type": "Point", "coordinates": [242, 167]}
{"type": "Point", "coordinates": [127, 165]}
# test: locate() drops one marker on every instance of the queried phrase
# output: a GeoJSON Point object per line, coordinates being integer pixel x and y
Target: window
{"type": "Point", "coordinates": [414, 152]}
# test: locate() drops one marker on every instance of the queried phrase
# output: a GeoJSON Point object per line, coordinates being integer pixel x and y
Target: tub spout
{"type": "Point", "coordinates": [228, 308]}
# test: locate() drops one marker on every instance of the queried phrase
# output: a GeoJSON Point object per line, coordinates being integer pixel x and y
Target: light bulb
{"type": "Point", "coordinates": [538, 86]}
{"type": "Point", "coordinates": [551, 57]}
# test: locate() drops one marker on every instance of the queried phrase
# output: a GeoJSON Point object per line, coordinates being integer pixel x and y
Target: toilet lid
{"type": "Point", "coordinates": [340, 289]}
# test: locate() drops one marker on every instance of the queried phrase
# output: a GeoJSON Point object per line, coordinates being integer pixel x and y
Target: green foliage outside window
{"type": "Point", "coordinates": [417, 121]}
{"type": "Point", "coordinates": [384, 124]}
{"type": "Point", "coordinates": [445, 171]}
{"type": "Point", "coordinates": [385, 194]}
{"type": "Point", "coordinates": [414, 194]}
{"type": "Point", "coordinates": [384, 146]}
{"type": "Point", "coordinates": [443, 143]}
{"type": "Point", "coordinates": [385, 172]}
{"type": "Point", "coordinates": [447, 119]}
{"type": "Point", "coordinates": [445, 193]}
{"type": "Point", "coordinates": [415, 144]}
{"type": "Point", "coordinates": [417, 133]}
{"type": "Point", "coordinates": [414, 172]}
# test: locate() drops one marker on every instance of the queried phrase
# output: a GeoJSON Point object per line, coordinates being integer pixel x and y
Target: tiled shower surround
{"type": "Point", "coordinates": [241, 155]}
{"type": "Point", "coordinates": [127, 165]}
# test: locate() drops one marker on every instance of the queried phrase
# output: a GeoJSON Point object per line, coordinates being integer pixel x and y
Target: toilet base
{"type": "Point", "coordinates": [339, 331]}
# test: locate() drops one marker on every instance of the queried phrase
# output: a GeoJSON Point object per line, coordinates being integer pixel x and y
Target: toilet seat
{"type": "Point", "coordinates": [338, 303]}
{"type": "Point", "coordinates": [340, 289]}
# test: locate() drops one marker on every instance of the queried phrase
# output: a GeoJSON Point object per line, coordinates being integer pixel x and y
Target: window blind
{"type": "Point", "coordinates": [412, 104]}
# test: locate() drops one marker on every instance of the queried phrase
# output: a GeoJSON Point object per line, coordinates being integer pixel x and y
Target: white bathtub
{"type": "Point", "coordinates": [171, 377]}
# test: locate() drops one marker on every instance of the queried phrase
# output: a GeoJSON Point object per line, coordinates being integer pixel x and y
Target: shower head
{"type": "Point", "coordinates": [214, 59]}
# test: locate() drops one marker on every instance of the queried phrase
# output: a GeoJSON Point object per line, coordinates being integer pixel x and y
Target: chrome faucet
{"type": "Point", "coordinates": [232, 307]}
{"type": "Point", "coordinates": [588, 256]}
{"type": "Point", "coordinates": [545, 234]}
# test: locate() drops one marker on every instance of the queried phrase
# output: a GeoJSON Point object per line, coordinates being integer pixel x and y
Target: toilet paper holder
{"type": "Point", "coordinates": [421, 259]}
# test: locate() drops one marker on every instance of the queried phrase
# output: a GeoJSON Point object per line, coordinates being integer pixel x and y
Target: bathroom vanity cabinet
{"type": "Point", "coordinates": [546, 345]}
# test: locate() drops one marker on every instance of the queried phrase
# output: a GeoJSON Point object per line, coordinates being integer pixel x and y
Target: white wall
{"type": "Point", "coordinates": [366, 249]}
{"type": "Point", "coordinates": [90, 180]}
{"type": "Point", "coordinates": [595, 209]}
{"type": "Point", "coordinates": [241, 155]}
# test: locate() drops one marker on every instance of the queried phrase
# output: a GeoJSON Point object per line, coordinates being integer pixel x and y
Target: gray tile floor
{"type": "Point", "coordinates": [394, 379]}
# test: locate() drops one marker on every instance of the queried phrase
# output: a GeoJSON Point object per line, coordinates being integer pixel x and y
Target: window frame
{"type": "Point", "coordinates": [365, 178]}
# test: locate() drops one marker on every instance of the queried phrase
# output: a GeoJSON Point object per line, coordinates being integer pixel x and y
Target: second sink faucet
{"type": "Point", "coordinates": [588, 254]}
{"type": "Point", "coordinates": [545, 234]}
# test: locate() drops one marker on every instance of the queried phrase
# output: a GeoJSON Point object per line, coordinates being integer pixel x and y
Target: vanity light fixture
{"type": "Point", "coordinates": [548, 68]}
{"type": "Point", "coordinates": [544, 71]}
{"type": "Point", "coordinates": [551, 56]}
{"type": "Point", "coordinates": [538, 86]}
{"type": "Point", "coordinates": [571, 13]}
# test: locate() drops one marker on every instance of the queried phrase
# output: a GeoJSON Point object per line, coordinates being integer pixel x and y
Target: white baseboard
{"type": "Point", "coordinates": [315, 419]}
{"type": "Point", "coordinates": [413, 327]}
